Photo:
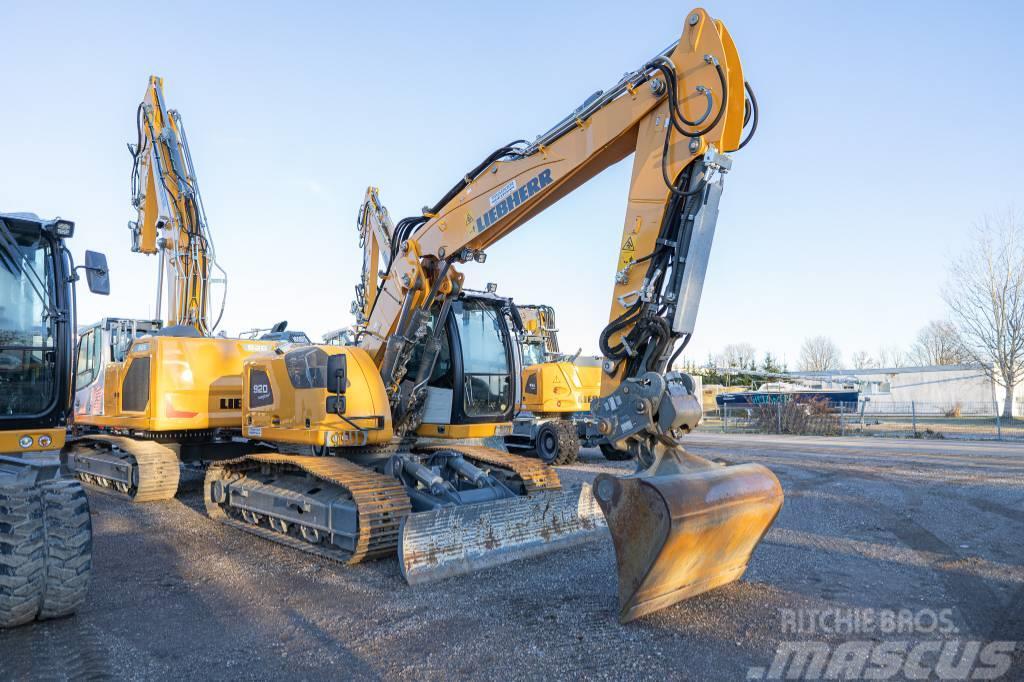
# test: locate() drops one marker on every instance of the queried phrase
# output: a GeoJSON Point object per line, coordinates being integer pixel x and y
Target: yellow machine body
{"type": "Point", "coordinates": [10, 441]}
{"type": "Point", "coordinates": [552, 385]}
{"type": "Point", "coordinates": [560, 387]}
{"type": "Point", "coordinates": [288, 399]}
{"type": "Point", "coordinates": [171, 384]}
{"type": "Point", "coordinates": [464, 431]}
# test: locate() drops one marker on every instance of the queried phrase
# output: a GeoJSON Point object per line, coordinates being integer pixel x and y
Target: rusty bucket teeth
{"type": "Point", "coordinates": [683, 532]}
{"type": "Point", "coordinates": [463, 539]}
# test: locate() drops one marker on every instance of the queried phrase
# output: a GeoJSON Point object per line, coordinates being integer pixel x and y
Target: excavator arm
{"type": "Point", "coordinates": [375, 232]}
{"type": "Point", "coordinates": [681, 525]}
{"type": "Point", "coordinates": [677, 114]}
{"type": "Point", "coordinates": [171, 221]}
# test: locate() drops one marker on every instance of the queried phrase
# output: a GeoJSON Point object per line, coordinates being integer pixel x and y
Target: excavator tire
{"type": "Point", "coordinates": [556, 445]}
{"type": "Point", "coordinates": [613, 455]}
{"type": "Point", "coordinates": [68, 530]}
{"type": "Point", "coordinates": [571, 442]}
{"type": "Point", "coordinates": [22, 553]}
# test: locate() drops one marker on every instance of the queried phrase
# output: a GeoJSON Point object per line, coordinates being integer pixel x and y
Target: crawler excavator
{"type": "Point", "coordinates": [427, 363]}
{"type": "Point", "coordinates": [552, 417]}
{"type": "Point", "coordinates": [153, 394]}
{"type": "Point", "coordinates": [45, 530]}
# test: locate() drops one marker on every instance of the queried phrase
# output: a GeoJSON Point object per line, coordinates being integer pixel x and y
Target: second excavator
{"type": "Point", "coordinates": [153, 394]}
{"type": "Point", "coordinates": [557, 391]}
{"type": "Point", "coordinates": [431, 362]}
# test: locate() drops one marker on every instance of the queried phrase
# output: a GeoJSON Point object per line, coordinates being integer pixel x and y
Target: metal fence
{"type": "Point", "coordinates": [866, 418]}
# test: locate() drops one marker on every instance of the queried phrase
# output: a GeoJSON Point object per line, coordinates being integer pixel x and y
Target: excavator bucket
{"type": "Point", "coordinates": [454, 540]}
{"type": "Point", "coordinates": [683, 527]}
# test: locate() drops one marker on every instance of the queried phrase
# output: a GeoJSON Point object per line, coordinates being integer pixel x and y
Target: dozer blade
{"type": "Point", "coordinates": [455, 540]}
{"type": "Point", "coordinates": [683, 527]}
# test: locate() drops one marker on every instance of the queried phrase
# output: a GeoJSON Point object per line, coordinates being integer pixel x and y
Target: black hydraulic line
{"type": "Point", "coordinates": [755, 115]}
{"type": "Point", "coordinates": [649, 338]}
{"type": "Point", "coordinates": [664, 172]}
{"type": "Point", "coordinates": [675, 115]}
{"type": "Point", "coordinates": [682, 346]}
{"type": "Point", "coordinates": [500, 153]}
{"type": "Point", "coordinates": [721, 107]}
{"type": "Point", "coordinates": [707, 112]}
{"type": "Point", "coordinates": [406, 227]}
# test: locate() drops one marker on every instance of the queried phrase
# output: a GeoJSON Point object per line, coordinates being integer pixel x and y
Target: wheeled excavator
{"type": "Point", "coordinates": [428, 365]}
{"type": "Point", "coordinates": [554, 420]}
{"type": "Point", "coordinates": [152, 395]}
{"type": "Point", "coordinates": [45, 529]}
{"type": "Point", "coordinates": [557, 392]}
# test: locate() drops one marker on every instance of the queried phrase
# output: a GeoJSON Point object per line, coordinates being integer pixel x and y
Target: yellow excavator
{"type": "Point", "coordinates": [45, 529]}
{"type": "Point", "coordinates": [152, 394]}
{"type": "Point", "coordinates": [554, 420]}
{"type": "Point", "coordinates": [431, 363]}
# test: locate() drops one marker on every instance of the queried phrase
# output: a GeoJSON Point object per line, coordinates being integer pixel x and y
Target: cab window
{"type": "Point", "coordinates": [90, 358]}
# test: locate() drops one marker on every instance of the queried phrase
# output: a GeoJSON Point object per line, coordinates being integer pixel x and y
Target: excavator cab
{"type": "Point", "coordinates": [45, 531]}
{"type": "Point", "coordinates": [472, 391]}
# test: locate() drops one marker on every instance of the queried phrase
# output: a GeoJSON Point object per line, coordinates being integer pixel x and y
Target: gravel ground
{"type": "Point", "coordinates": [866, 524]}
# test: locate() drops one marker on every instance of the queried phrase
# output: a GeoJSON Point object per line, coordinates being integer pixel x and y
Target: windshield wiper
{"type": "Point", "coordinates": [12, 252]}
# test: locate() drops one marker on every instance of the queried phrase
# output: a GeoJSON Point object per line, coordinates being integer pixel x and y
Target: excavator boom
{"type": "Point", "coordinates": [171, 219]}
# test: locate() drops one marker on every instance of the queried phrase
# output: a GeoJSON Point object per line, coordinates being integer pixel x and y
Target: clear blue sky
{"type": "Point", "coordinates": [886, 130]}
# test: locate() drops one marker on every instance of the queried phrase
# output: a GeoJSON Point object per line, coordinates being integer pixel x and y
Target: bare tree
{"type": "Point", "coordinates": [891, 356]}
{"type": "Point", "coordinates": [985, 294]}
{"type": "Point", "coordinates": [863, 360]}
{"type": "Point", "coordinates": [818, 354]}
{"type": "Point", "coordinates": [740, 355]}
{"type": "Point", "coordinates": [938, 343]}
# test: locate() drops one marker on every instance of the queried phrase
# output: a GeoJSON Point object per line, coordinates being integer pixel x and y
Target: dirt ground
{"type": "Point", "coordinates": [867, 524]}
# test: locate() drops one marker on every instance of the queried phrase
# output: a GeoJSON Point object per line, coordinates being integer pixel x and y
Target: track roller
{"type": "Point", "coordinates": [143, 470]}
{"type": "Point", "coordinates": [325, 506]}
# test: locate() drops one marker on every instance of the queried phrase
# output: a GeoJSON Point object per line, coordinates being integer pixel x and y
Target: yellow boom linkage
{"type": "Point", "coordinates": [171, 220]}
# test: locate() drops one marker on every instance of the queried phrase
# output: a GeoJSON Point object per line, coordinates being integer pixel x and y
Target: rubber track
{"type": "Point", "coordinates": [536, 475]}
{"type": "Point", "coordinates": [381, 503]}
{"type": "Point", "coordinates": [157, 466]}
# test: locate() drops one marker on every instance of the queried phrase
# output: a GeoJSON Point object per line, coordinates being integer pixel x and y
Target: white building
{"type": "Point", "coordinates": [938, 386]}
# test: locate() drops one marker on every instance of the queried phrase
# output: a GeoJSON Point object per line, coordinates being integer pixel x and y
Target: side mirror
{"type": "Point", "coordinates": [517, 319]}
{"type": "Point", "coordinates": [337, 373]}
{"type": "Point", "coordinates": [96, 273]}
{"type": "Point", "coordinates": [337, 377]}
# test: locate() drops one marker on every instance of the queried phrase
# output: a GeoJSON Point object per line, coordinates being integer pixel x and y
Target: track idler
{"type": "Point", "coordinates": [684, 526]}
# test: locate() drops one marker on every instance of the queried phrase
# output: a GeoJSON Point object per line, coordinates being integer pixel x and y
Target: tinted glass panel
{"type": "Point", "coordinates": [485, 356]}
{"type": "Point", "coordinates": [27, 328]}
{"type": "Point", "coordinates": [307, 368]}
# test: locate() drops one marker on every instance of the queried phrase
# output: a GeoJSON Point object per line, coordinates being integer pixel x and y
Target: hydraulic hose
{"type": "Point", "coordinates": [755, 115]}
